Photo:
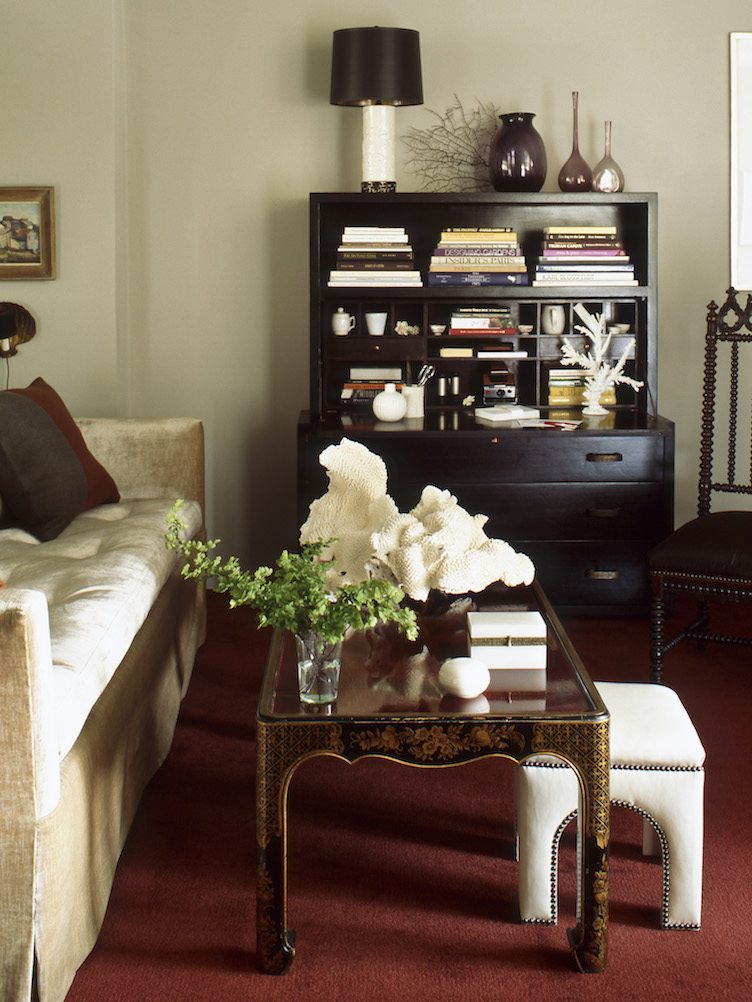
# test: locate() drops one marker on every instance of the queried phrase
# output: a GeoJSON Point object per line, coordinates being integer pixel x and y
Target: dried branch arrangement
{"type": "Point", "coordinates": [452, 154]}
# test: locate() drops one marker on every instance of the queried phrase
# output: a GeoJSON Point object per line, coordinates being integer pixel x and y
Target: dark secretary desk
{"type": "Point", "coordinates": [585, 505]}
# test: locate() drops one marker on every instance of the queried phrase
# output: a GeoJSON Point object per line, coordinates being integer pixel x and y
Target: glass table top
{"type": "Point", "coordinates": [384, 675]}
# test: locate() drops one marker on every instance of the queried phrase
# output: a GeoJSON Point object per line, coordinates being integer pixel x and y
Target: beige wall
{"type": "Point", "coordinates": [183, 139]}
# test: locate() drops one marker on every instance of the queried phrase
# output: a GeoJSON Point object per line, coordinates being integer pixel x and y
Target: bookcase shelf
{"type": "Point", "coordinates": [424, 217]}
{"type": "Point", "coordinates": [585, 505]}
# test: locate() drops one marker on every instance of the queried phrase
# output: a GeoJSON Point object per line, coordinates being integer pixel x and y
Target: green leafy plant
{"type": "Point", "coordinates": [294, 594]}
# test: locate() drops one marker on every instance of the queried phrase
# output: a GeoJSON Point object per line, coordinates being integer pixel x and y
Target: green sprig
{"type": "Point", "coordinates": [294, 595]}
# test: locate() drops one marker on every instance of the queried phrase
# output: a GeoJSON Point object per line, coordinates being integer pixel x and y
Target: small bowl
{"type": "Point", "coordinates": [525, 328]}
{"type": "Point", "coordinates": [618, 328]}
{"type": "Point", "coordinates": [437, 329]}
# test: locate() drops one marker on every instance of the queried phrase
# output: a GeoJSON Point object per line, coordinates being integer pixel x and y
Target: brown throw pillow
{"type": "Point", "coordinates": [47, 474]}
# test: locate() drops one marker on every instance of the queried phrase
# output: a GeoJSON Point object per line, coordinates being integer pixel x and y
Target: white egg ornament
{"type": "Point", "coordinates": [464, 677]}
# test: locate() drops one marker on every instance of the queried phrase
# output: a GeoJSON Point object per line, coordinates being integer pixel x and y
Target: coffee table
{"type": "Point", "coordinates": [383, 709]}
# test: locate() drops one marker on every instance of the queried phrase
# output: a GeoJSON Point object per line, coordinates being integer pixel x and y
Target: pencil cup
{"type": "Point", "coordinates": [415, 400]}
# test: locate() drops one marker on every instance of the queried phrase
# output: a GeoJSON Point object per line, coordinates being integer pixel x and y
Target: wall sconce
{"type": "Point", "coordinates": [377, 69]}
{"type": "Point", "coordinates": [16, 327]}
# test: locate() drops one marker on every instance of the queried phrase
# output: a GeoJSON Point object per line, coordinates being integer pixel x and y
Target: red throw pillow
{"type": "Point", "coordinates": [100, 487]}
{"type": "Point", "coordinates": [47, 474]}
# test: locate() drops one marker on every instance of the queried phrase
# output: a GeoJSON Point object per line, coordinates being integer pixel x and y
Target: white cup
{"type": "Point", "coordinates": [342, 323]}
{"type": "Point", "coordinates": [376, 323]}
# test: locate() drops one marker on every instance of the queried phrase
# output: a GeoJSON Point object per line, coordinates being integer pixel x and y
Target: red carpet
{"type": "Point", "coordinates": [401, 883]}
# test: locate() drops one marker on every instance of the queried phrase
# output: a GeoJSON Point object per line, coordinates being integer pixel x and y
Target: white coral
{"type": "Point", "coordinates": [437, 545]}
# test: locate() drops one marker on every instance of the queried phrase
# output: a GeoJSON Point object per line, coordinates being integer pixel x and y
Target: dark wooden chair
{"type": "Point", "coordinates": [710, 558]}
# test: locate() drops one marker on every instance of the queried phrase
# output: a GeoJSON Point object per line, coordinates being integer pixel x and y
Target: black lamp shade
{"type": "Point", "coordinates": [376, 66]}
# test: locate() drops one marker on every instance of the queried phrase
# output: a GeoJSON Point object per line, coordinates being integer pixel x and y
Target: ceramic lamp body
{"type": "Point", "coordinates": [378, 144]}
{"type": "Point", "coordinates": [517, 159]}
{"type": "Point", "coordinates": [389, 405]}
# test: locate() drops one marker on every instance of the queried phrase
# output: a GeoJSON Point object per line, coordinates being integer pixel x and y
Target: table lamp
{"type": "Point", "coordinates": [377, 69]}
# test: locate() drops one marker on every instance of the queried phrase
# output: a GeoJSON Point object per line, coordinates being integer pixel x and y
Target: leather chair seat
{"type": "Point", "coordinates": [718, 544]}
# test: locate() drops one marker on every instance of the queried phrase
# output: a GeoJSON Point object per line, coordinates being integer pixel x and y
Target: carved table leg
{"type": "Point", "coordinates": [586, 748]}
{"type": "Point", "coordinates": [281, 748]}
{"type": "Point", "coordinates": [274, 948]}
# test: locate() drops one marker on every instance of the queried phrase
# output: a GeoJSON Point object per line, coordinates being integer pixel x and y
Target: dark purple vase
{"type": "Point", "coordinates": [517, 159]}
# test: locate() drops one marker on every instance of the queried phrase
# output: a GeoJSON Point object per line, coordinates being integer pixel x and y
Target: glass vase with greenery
{"type": "Point", "coordinates": [294, 595]}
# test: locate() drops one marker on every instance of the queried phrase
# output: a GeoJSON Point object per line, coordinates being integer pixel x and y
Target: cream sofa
{"type": "Point", "coordinates": [98, 633]}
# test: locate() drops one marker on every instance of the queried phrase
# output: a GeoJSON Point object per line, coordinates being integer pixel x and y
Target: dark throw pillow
{"type": "Point", "coordinates": [47, 474]}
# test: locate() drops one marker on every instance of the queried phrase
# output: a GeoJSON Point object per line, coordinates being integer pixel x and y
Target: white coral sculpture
{"type": "Point", "coordinates": [600, 374]}
{"type": "Point", "coordinates": [438, 545]}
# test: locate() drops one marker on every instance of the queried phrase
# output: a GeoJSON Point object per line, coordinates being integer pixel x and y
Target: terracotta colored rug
{"type": "Point", "coordinates": [401, 881]}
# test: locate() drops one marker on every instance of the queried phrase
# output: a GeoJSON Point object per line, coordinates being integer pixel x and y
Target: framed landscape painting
{"type": "Point", "coordinates": [27, 233]}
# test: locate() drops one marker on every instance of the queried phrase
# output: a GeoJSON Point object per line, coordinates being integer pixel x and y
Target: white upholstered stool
{"type": "Point", "coordinates": [656, 769]}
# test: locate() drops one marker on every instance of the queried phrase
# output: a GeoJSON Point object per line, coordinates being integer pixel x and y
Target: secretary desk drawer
{"type": "Point", "coordinates": [517, 456]}
{"type": "Point", "coordinates": [568, 511]}
{"type": "Point", "coordinates": [596, 575]}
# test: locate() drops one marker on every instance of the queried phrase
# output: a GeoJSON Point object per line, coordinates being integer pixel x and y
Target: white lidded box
{"type": "Point", "coordinates": [512, 645]}
{"type": "Point", "coordinates": [507, 640]}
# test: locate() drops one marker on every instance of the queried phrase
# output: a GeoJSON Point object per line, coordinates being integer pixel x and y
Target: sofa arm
{"type": "Point", "coordinates": [150, 457]}
{"type": "Point", "coordinates": [28, 727]}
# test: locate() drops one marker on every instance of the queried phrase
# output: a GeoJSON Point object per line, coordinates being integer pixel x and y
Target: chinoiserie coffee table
{"type": "Point", "coordinates": [384, 710]}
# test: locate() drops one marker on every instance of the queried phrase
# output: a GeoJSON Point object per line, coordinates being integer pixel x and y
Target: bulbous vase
{"type": "Point", "coordinates": [575, 175]}
{"type": "Point", "coordinates": [389, 405]}
{"type": "Point", "coordinates": [607, 174]}
{"type": "Point", "coordinates": [517, 158]}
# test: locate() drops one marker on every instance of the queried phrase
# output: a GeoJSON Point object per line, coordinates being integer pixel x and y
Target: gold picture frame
{"type": "Point", "coordinates": [27, 233]}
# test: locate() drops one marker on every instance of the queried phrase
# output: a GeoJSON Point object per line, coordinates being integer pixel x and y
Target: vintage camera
{"type": "Point", "coordinates": [499, 385]}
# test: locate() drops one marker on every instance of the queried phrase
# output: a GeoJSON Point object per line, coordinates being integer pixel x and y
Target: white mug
{"type": "Point", "coordinates": [376, 323]}
{"type": "Point", "coordinates": [342, 323]}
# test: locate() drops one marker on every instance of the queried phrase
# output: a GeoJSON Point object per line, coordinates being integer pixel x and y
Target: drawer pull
{"type": "Point", "coordinates": [494, 440]}
{"type": "Point", "coordinates": [604, 457]}
{"type": "Point", "coordinates": [595, 575]}
{"type": "Point", "coordinates": [375, 347]}
{"type": "Point", "coordinates": [605, 512]}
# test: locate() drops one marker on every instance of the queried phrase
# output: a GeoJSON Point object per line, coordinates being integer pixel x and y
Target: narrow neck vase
{"type": "Point", "coordinates": [575, 175]}
{"type": "Point", "coordinates": [607, 174]}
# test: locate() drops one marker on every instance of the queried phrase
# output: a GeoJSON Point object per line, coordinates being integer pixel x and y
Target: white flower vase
{"type": "Point", "coordinates": [389, 405]}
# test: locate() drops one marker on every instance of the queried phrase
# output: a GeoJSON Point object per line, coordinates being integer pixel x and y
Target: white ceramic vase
{"type": "Point", "coordinates": [553, 319]}
{"type": "Point", "coordinates": [389, 405]}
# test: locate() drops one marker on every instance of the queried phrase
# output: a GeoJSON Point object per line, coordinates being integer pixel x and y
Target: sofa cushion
{"type": "Point", "coordinates": [100, 577]}
{"type": "Point", "coordinates": [47, 473]}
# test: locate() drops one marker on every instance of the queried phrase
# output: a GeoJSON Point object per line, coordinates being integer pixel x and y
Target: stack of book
{"type": "Point", "coordinates": [472, 321]}
{"type": "Point", "coordinates": [583, 255]}
{"type": "Point", "coordinates": [374, 256]}
{"type": "Point", "coordinates": [566, 389]}
{"type": "Point", "coordinates": [366, 382]}
{"type": "Point", "coordinates": [477, 255]}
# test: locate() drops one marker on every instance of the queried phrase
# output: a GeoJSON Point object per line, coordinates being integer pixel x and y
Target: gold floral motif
{"type": "Point", "coordinates": [594, 952]}
{"type": "Point", "coordinates": [440, 742]}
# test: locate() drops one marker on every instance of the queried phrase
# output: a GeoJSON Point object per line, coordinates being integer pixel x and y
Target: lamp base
{"type": "Point", "coordinates": [378, 187]}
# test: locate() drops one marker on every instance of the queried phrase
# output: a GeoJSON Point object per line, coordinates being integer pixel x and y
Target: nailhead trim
{"type": "Point", "coordinates": [625, 767]}
{"type": "Point", "coordinates": [665, 853]}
